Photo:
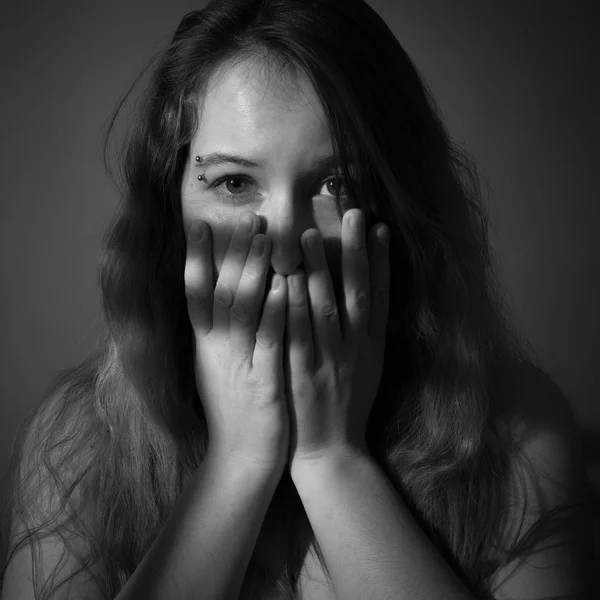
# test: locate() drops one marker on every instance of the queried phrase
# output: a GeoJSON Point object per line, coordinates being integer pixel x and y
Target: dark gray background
{"type": "Point", "coordinates": [517, 83]}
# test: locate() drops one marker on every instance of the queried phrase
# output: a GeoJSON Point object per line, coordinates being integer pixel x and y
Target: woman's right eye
{"type": "Point", "coordinates": [228, 178]}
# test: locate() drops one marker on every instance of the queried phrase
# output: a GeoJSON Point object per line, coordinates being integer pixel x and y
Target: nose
{"type": "Point", "coordinates": [284, 227]}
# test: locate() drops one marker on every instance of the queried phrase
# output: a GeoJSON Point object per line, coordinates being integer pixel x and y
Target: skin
{"type": "Point", "coordinates": [244, 113]}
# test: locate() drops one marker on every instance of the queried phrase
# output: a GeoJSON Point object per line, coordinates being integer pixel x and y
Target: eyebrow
{"type": "Point", "coordinates": [220, 158]}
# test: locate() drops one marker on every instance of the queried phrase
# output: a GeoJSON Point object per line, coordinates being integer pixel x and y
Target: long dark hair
{"type": "Point", "coordinates": [122, 432]}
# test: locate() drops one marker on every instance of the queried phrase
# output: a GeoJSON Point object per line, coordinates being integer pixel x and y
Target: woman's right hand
{"type": "Point", "coordinates": [238, 363]}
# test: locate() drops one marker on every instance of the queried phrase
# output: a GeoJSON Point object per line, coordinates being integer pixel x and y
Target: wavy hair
{"type": "Point", "coordinates": [122, 432]}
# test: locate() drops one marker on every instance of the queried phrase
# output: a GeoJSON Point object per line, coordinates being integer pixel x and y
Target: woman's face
{"type": "Point", "coordinates": [243, 114]}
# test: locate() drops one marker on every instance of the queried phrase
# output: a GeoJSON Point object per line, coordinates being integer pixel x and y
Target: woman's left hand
{"type": "Point", "coordinates": [333, 366]}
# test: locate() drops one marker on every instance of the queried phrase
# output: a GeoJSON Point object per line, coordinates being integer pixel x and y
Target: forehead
{"type": "Point", "coordinates": [249, 104]}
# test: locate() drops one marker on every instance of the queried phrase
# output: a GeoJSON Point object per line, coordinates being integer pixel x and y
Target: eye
{"type": "Point", "coordinates": [227, 179]}
{"type": "Point", "coordinates": [336, 189]}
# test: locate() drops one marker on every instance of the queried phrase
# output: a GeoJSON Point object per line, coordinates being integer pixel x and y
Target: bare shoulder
{"type": "Point", "coordinates": [548, 473]}
{"type": "Point", "coordinates": [540, 419]}
{"type": "Point", "coordinates": [546, 434]}
{"type": "Point", "coordinates": [38, 502]}
{"type": "Point", "coordinates": [529, 394]}
{"type": "Point", "coordinates": [55, 444]}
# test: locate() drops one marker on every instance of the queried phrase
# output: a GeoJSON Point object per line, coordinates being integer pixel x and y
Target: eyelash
{"type": "Point", "coordinates": [246, 178]}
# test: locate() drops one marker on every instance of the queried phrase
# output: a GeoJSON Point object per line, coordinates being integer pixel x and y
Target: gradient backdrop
{"type": "Point", "coordinates": [517, 82]}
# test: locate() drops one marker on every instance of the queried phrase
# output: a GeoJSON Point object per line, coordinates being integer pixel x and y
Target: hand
{"type": "Point", "coordinates": [239, 368]}
{"type": "Point", "coordinates": [333, 366]}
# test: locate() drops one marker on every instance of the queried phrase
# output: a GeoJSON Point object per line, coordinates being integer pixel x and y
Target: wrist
{"type": "Point", "coordinates": [243, 469]}
{"type": "Point", "coordinates": [331, 463]}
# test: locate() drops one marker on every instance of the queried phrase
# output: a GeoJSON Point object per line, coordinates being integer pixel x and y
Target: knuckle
{"type": "Point", "coordinates": [269, 343]}
{"type": "Point", "coordinates": [253, 270]}
{"type": "Point", "coordinates": [223, 296]}
{"type": "Point", "coordinates": [361, 300]}
{"type": "Point", "coordinates": [241, 314]}
{"type": "Point", "coordinates": [195, 295]}
{"type": "Point", "coordinates": [303, 343]}
{"type": "Point", "coordinates": [197, 304]}
{"type": "Point", "coordinates": [328, 311]}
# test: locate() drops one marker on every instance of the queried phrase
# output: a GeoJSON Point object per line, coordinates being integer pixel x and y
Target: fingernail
{"type": "Point", "coordinates": [312, 243]}
{"type": "Point", "coordinates": [356, 219]}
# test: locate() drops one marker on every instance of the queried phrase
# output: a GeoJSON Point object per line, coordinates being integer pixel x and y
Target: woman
{"type": "Point", "coordinates": [237, 439]}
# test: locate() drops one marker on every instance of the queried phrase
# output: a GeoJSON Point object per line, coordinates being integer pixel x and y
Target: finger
{"type": "Point", "coordinates": [355, 275]}
{"type": "Point", "coordinates": [300, 356]}
{"type": "Point", "coordinates": [231, 271]}
{"type": "Point", "coordinates": [268, 350]}
{"type": "Point", "coordinates": [380, 284]}
{"type": "Point", "coordinates": [321, 296]}
{"type": "Point", "coordinates": [246, 308]}
{"type": "Point", "coordinates": [198, 278]}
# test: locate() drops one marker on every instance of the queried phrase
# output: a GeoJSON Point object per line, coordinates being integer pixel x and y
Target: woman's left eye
{"type": "Point", "coordinates": [237, 178]}
{"type": "Point", "coordinates": [333, 179]}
